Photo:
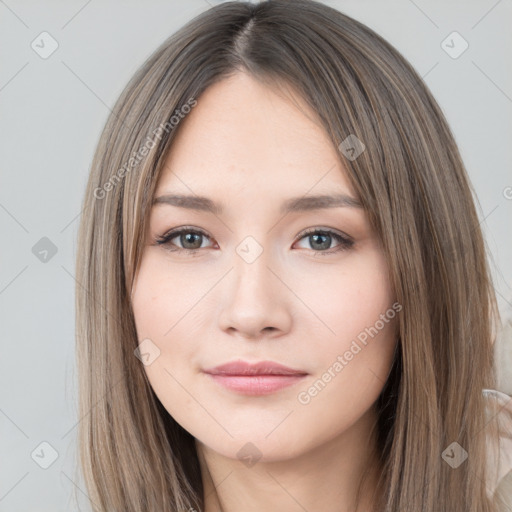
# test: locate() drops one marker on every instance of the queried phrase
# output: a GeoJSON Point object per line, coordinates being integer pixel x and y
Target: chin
{"type": "Point", "coordinates": [251, 446]}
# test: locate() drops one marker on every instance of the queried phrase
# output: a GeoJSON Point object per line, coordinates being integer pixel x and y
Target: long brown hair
{"type": "Point", "coordinates": [415, 190]}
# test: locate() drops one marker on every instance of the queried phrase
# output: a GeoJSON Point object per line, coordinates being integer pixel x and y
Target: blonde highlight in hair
{"type": "Point", "coordinates": [414, 187]}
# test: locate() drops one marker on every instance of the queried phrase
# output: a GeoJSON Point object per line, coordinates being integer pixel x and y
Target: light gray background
{"type": "Point", "coordinates": [52, 113]}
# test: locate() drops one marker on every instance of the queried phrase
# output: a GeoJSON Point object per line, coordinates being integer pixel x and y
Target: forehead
{"type": "Point", "coordinates": [244, 134]}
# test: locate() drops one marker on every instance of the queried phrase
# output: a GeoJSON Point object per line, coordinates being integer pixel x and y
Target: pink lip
{"type": "Point", "coordinates": [255, 379]}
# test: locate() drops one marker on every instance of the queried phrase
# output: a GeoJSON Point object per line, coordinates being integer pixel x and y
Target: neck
{"type": "Point", "coordinates": [325, 478]}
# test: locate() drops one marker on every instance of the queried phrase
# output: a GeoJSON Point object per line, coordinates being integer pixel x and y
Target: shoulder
{"type": "Point", "coordinates": [499, 407]}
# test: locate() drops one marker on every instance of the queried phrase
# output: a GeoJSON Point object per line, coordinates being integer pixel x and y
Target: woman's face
{"type": "Point", "coordinates": [268, 280]}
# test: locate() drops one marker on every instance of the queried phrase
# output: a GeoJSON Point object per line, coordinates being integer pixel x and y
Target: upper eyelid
{"type": "Point", "coordinates": [309, 231]}
{"type": "Point", "coordinates": [173, 233]}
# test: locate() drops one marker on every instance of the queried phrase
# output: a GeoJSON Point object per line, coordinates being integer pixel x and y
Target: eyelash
{"type": "Point", "coordinates": [345, 243]}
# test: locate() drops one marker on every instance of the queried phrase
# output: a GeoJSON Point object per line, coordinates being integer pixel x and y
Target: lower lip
{"type": "Point", "coordinates": [256, 384]}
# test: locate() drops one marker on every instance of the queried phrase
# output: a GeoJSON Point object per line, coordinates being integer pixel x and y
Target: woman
{"type": "Point", "coordinates": [284, 299]}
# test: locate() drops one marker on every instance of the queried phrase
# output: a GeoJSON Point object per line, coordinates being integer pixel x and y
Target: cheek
{"type": "Point", "coordinates": [162, 305]}
{"type": "Point", "coordinates": [349, 301]}
{"type": "Point", "coordinates": [164, 299]}
{"type": "Point", "coordinates": [351, 359]}
{"type": "Point", "coordinates": [355, 336]}
{"type": "Point", "coordinates": [168, 311]}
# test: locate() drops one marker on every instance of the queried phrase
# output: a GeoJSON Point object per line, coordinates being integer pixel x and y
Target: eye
{"type": "Point", "coordinates": [190, 238]}
{"type": "Point", "coordinates": [321, 239]}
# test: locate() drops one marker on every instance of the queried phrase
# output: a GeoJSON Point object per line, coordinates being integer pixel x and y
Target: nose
{"type": "Point", "coordinates": [254, 302]}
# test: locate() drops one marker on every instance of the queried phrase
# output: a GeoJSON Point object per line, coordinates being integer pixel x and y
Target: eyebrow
{"type": "Point", "coordinates": [295, 204]}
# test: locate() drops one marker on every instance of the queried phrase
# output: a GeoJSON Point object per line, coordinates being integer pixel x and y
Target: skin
{"type": "Point", "coordinates": [250, 148]}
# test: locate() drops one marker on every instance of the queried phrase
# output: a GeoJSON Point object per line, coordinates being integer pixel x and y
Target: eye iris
{"type": "Point", "coordinates": [186, 238]}
{"type": "Point", "coordinates": [324, 245]}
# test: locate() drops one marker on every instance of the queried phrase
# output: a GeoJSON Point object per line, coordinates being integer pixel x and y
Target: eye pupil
{"type": "Point", "coordinates": [324, 245]}
{"type": "Point", "coordinates": [186, 238]}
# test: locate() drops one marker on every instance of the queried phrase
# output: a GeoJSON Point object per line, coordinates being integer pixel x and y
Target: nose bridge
{"type": "Point", "coordinates": [251, 268]}
{"type": "Point", "coordinates": [253, 299]}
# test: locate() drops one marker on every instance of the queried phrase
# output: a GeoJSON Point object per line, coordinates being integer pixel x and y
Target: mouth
{"type": "Point", "coordinates": [260, 378]}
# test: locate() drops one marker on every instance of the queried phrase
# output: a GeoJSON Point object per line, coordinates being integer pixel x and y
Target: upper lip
{"type": "Point", "coordinates": [259, 368]}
